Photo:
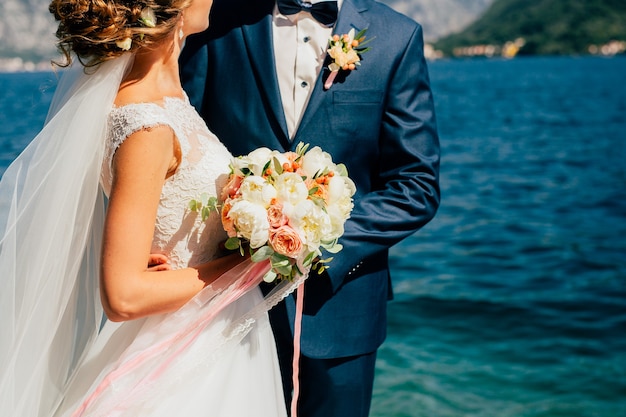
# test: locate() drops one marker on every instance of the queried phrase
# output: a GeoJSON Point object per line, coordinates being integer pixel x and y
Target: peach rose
{"type": "Point", "coordinates": [275, 216]}
{"type": "Point", "coordinates": [286, 241]}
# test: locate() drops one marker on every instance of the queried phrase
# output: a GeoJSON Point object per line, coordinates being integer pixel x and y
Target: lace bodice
{"type": "Point", "coordinates": [179, 232]}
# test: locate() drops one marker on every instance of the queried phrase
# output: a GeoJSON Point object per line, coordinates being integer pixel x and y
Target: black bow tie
{"type": "Point", "coordinates": [324, 12]}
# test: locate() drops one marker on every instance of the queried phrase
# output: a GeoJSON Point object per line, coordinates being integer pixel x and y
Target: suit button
{"type": "Point", "coordinates": [303, 84]}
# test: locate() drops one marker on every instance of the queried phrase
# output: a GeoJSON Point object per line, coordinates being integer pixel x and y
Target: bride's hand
{"type": "Point", "coordinates": [158, 262]}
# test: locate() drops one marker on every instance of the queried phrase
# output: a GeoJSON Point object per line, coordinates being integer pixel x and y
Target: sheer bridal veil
{"type": "Point", "coordinates": [51, 216]}
{"type": "Point", "coordinates": [51, 222]}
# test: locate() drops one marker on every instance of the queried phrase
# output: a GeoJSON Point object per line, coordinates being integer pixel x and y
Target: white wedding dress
{"type": "Point", "coordinates": [210, 358]}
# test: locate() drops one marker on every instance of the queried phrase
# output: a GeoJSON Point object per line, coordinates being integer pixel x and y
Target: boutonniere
{"type": "Point", "coordinates": [345, 50]}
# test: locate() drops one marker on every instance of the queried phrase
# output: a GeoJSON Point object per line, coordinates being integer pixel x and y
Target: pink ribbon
{"type": "Point", "coordinates": [296, 349]}
{"type": "Point", "coordinates": [250, 279]}
{"type": "Point", "coordinates": [330, 79]}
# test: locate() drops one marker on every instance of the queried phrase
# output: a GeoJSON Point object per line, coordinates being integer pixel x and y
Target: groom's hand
{"type": "Point", "coordinates": [158, 262]}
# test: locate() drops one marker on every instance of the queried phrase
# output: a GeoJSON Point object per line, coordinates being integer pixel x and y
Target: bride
{"type": "Point", "coordinates": [187, 330]}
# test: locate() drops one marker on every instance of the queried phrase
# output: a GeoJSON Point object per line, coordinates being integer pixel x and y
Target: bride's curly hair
{"type": "Point", "coordinates": [95, 30]}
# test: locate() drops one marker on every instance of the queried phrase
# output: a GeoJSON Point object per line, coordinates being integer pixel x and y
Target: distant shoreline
{"type": "Point", "coordinates": [17, 64]}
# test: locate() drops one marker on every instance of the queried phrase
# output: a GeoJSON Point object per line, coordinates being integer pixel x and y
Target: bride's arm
{"type": "Point", "coordinates": [129, 289]}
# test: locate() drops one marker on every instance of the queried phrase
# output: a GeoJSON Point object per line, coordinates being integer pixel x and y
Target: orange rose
{"type": "Point", "coordinates": [227, 223]}
{"type": "Point", "coordinates": [286, 241]}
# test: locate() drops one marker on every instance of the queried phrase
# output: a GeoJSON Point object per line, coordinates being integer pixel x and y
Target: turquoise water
{"type": "Point", "coordinates": [512, 302]}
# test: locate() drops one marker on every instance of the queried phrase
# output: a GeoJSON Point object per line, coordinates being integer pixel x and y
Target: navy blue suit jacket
{"type": "Point", "coordinates": [378, 120]}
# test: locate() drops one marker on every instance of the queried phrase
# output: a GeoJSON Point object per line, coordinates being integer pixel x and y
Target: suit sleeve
{"type": "Point", "coordinates": [405, 195]}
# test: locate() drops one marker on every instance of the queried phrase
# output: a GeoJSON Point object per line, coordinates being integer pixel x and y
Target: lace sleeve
{"type": "Point", "coordinates": [123, 122]}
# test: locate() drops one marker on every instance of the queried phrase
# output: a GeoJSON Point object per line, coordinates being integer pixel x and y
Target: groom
{"type": "Point", "coordinates": [257, 76]}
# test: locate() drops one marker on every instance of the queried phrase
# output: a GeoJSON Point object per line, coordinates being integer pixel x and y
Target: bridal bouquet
{"type": "Point", "coordinates": [287, 206]}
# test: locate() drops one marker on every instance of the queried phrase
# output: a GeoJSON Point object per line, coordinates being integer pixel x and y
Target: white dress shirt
{"type": "Point", "coordinates": [300, 44]}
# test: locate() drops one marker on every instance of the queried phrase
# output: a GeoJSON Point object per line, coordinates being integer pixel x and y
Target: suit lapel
{"type": "Point", "coordinates": [260, 48]}
{"type": "Point", "coordinates": [349, 17]}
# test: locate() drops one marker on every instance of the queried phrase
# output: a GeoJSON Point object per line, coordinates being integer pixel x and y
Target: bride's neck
{"type": "Point", "coordinates": [154, 74]}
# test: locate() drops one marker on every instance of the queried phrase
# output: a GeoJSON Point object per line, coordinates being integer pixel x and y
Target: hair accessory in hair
{"type": "Point", "coordinates": [148, 18]}
{"type": "Point", "coordinates": [124, 44]}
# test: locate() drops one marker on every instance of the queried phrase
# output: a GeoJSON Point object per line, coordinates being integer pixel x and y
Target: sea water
{"type": "Point", "coordinates": [512, 301]}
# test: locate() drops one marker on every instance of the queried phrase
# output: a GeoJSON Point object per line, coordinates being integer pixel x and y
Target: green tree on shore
{"type": "Point", "coordinates": [548, 27]}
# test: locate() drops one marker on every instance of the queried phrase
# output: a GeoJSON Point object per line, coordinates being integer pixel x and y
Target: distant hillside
{"type": "Point", "coordinates": [27, 28]}
{"type": "Point", "coordinates": [544, 27]}
{"type": "Point", "coordinates": [441, 17]}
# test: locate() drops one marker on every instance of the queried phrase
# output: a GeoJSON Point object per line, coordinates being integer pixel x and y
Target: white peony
{"type": "Point", "coordinates": [340, 203]}
{"type": "Point", "coordinates": [339, 188]}
{"type": "Point", "coordinates": [250, 222]}
{"type": "Point", "coordinates": [337, 216]}
{"type": "Point", "coordinates": [238, 165]}
{"type": "Point", "coordinates": [257, 190]}
{"type": "Point", "coordinates": [257, 159]}
{"type": "Point", "coordinates": [290, 188]}
{"type": "Point", "coordinates": [313, 224]}
{"type": "Point", "coordinates": [316, 160]}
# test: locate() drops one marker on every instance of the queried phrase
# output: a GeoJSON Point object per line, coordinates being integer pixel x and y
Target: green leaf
{"type": "Point", "coordinates": [266, 166]}
{"type": "Point", "coordinates": [302, 148]}
{"type": "Point", "coordinates": [280, 263]}
{"type": "Point", "coordinates": [212, 203]}
{"type": "Point", "coordinates": [320, 202]}
{"type": "Point", "coordinates": [342, 170]}
{"type": "Point", "coordinates": [309, 259]}
{"type": "Point", "coordinates": [277, 166]}
{"type": "Point", "coordinates": [283, 270]}
{"type": "Point", "coordinates": [261, 254]}
{"type": "Point", "coordinates": [335, 248]}
{"type": "Point", "coordinates": [269, 276]}
{"type": "Point", "coordinates": [280, 260]}
{"type": "Point", "coordinates": [232, 243]}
